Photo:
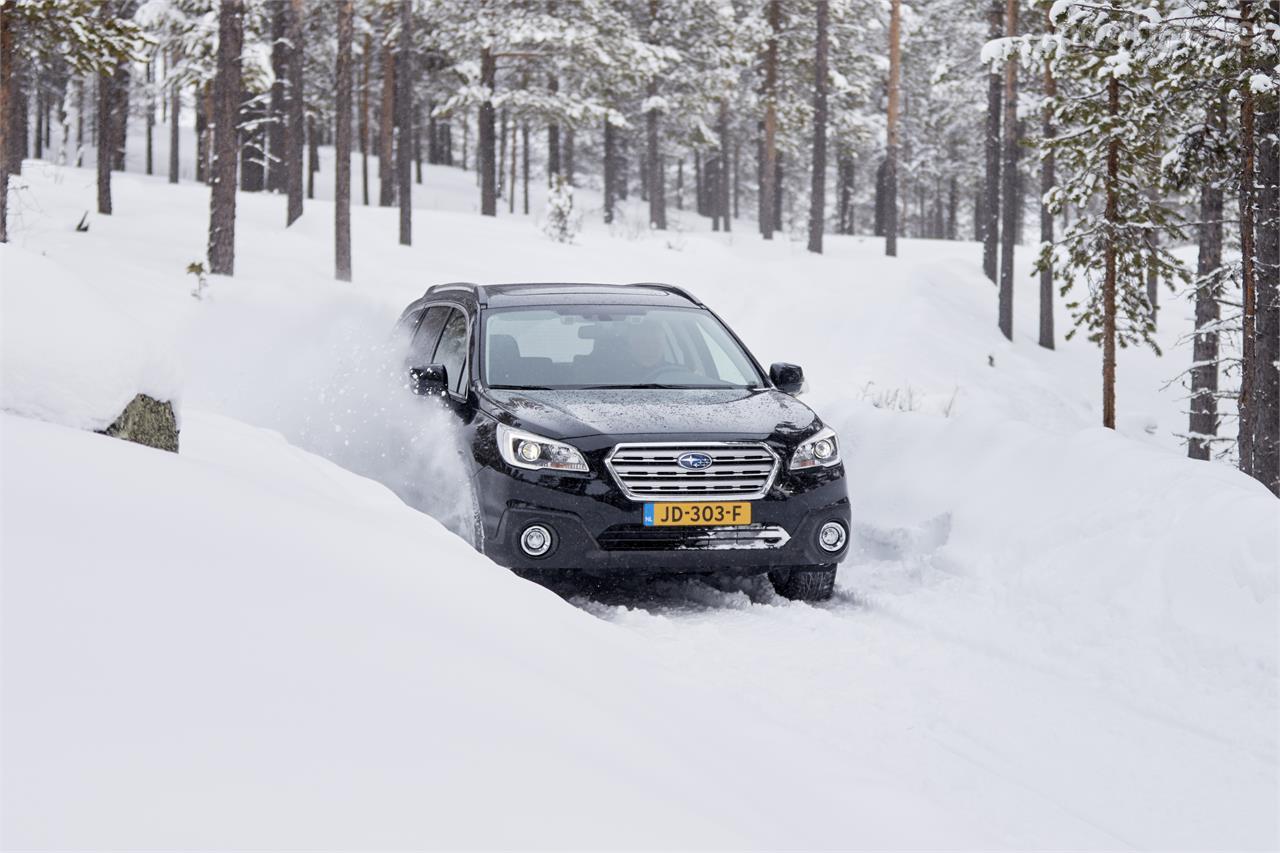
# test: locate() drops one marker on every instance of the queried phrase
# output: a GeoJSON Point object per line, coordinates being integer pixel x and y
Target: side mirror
{"type": "Point", "coordinates": [788, 378]}
{"type": "Point", "coordinates": [429, 381]}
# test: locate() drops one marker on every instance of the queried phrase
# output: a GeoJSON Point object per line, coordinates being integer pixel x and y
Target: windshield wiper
{"type": "Point", "coordinates": [520, 388]}
{"type": "Point", "coordinates": [635, 385]}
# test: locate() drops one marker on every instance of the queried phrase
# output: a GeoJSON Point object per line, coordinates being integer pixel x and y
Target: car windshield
{"type": "Point", "coordinates": [618, 346]}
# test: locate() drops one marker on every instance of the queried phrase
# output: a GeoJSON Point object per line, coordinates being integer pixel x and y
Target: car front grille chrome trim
{"type": "Point", "coordinates": [746, 536]}
{"type": "Point", "coordinates": [739, 470]}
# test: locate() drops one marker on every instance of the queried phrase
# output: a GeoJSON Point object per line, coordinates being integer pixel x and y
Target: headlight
{"type": "Point", "coordinates": [819, 451]}
{"type": "Point", "coordinates": [526, 450]}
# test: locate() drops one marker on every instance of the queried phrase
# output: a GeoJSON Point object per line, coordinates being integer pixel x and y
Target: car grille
{"type": "Point", "coordinates": [630, 537]}
{"type": "Point", "coordinates": [738, 470]}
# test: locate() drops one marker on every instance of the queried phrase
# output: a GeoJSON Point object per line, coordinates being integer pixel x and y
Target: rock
{"type": "Point", "coordinates": [148, 421]}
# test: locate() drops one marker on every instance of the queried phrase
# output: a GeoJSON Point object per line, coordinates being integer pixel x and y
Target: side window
{"type": "Point", "coordinates": [424, 339]}
{"type": "Point", "coordinates": [452, 351]}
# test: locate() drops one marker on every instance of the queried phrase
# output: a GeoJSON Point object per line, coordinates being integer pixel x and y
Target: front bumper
{"type": "Point", "coordinates": [600, 531]}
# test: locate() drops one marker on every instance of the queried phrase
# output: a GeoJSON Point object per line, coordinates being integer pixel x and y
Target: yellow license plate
{"type": "Point", "coordinates": [697, 514]}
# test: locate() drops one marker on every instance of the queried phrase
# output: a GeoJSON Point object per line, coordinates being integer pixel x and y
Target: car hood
{"type": "Point", "coordinates": [754, 413]}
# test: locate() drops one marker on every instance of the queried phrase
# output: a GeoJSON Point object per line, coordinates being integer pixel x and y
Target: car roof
{"type": "Point", "coordinates": [570, 293]}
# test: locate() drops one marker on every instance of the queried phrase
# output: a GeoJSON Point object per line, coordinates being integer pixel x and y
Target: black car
{"type": "Point", "coordinates": [625, 429]}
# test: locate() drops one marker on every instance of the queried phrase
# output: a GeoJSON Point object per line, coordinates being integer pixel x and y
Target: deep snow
{"type": "Point", "coordinates": [1049, 634]}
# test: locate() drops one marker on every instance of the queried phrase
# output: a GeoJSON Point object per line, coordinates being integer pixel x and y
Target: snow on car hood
{"type": "Point", "coordinates": [749, 413]}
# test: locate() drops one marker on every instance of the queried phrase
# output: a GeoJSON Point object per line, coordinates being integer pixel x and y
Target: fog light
{"type": "Point", "coordinates": [831, 536]}
{"type": "Point", "coordinates": [536, 540]}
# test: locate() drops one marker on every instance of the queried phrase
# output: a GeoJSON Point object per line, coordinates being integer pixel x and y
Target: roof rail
{"type": "Point", "coordinates": [670, 288]}
{"type": "Point", "coordinates": [477, 289]}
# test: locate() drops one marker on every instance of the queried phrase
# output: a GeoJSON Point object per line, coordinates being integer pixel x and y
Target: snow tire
{"type": "Point", "coordinates": [809, 583]}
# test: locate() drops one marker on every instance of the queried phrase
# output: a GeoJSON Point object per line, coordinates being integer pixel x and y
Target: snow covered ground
{"type": "Point", "coordinates": [1049, 635]}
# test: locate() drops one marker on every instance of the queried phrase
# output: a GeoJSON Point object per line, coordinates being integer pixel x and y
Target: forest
{"type": "Point", "coordinates": [1131, 148]}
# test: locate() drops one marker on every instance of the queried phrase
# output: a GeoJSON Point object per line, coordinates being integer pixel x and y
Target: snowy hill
{"type": "Point", "coordinates": [1049, 634]}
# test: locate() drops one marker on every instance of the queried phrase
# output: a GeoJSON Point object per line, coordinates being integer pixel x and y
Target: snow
{"type": "Point", "coordinates": [1048, 635]}
{"type": "Point", "coordinates": [70, 356]}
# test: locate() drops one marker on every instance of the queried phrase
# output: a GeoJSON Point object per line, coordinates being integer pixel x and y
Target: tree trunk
{"type": "Point", "coordinates": [202, 133]}
{"type": "Point", "coordinates": [769, 162]}
{"type": "Point", "coordinates": [175, 108]}
{"type": "Point", "coordinates": [653, 165]}
{"type": "Point", "coordinates": [511, 196]}
{"type": "Point", "coordinates": [991, 200]}
{"type": "Point", "coordinates": [386, 130]}
{"type": "Point", "coordinates": [844, 176]}
{"type": "Point", "coordinates": [39, 137]}
{"type": "Point", "coordinates": [881, 211]}
{"type": "Point", "coordinates": [524, 164]}
{"type": "Point", "coordinates": [294, 131]}
{"type": "Point", "coordinates": [151, 118]}
{"type": "Point", "coordinates": [226, 96]}
{"type": "Point", "coordinates": [1009, 177]}
{"type": "Point", "coordinates": [817, 193]}
{"type": "Point", "coordinates": [644, 179]}
{"type": "Point", "coordinates": [722, 199]}
{"type": "Point", "coordinates": [313, 155]}
{"type": "Point", "coordinates": [417, 146]}
{"type": "Point", "coordinates": [891, 150]}
{"type": "Point", "coordinates": [680, 184]}
{"type": "Point", "coordinates": [404, 121]}
{"type": "Point", "coordinates": [1203, 420]}
{"type": "Point", "coordinates": [610, 169]}
{"type": "Point", "coordinates": [1109, 261]}
{"type": "Point", "coordinates": [566, 155]}
{"type": "Point", "coordinates": [1266, 350]}
{"type": "Point", "coordinates": [1244, 439]}
{"type": "Point", "coordinates": [365, 61]}
{"type": "Point", "coordinates": [277, 181]}
{"type": "Point", "coordinates": [737, 175]}
{"type": "Point", "coordinates": [120, 121]}
{"type": "Point", "coordinates": [342, 145]}
{"type": "Point", "coordinates": [16, 113]}
{"type": "Point", "coordinates": [699, 185]}
{"type": "Point", "coordinates": [713, 190]}
{"type": "Point", "coordinates": [553, 137]}
{"type": "Point", "coordinates": [6, 105]}
{"type": "Point", "coordinates": [953, 208]}
{"type": "Point", "coordinates": [1047, 180]}
{"type": "Point", "coordinates": [502, 154]}
{"type": "Point", "coordinates": [622, 175]}
{"type": "Point", "coordinates": [106, 82]}
{"type": "Point", "coordinates": [777, 191]}
{"type": "Point", "coordinates": [485, 144]}
{"type": "Point", "coordinates": [79, 123]}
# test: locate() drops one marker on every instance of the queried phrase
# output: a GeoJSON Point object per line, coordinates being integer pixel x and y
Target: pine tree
{"type": "Point", "coordinates": [1113, 107]}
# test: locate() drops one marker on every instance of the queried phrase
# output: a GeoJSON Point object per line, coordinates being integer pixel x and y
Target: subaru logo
{"type": "Point", "coordinates": [694, 461]}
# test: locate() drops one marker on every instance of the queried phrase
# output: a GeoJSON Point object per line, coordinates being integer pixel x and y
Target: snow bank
{"type": "Point", "coordinates": [70, 356]}
{"type": "Point", "coordinates": [248, 647]}
{"type": "Point", "coordinates": [1121, 539]}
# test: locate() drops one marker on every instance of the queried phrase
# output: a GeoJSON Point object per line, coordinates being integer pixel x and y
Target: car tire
{"type": "Point", "coordinates": [806, 583]}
